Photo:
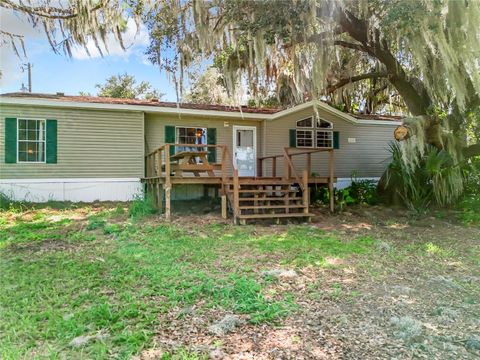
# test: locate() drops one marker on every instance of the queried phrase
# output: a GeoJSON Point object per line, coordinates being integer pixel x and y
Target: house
{"type": "Point", "coordinates": [76, 148]}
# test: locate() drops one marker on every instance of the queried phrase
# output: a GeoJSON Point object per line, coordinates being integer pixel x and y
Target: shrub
{"type": "Point", "coordinates": [142, 205]}
{"type": "Point", "coordinates": [359, 192]}
{"type": "Point", "coordinates": [470, 203]}
{"type": "Point", "coordinates": [364, 191]}
{"type": "Point", "coordinates": [435, 179]}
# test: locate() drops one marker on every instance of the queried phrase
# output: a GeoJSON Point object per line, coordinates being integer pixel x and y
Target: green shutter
{"type": "Point", "coordinates": [10, 140]}
{"type": "Point", "coordinates": [170, 137]}
{"type": "Point", "coordinates": [51, 142]}
{"type": "Point", "coordinates": [293, 138]}
{"type": "Point", "coordinates": [212, 140]}
{"type": "Point", "coordinates": [336, 140]}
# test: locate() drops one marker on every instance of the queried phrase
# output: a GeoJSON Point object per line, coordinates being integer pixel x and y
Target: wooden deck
{"type": "Point", "coordinates": [260, 197]}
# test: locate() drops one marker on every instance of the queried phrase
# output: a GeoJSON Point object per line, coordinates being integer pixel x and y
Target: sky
{"type": "Point", "coordinates": [53, 73]}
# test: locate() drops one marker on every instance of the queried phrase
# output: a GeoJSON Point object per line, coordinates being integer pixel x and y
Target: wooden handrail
{"type": "Point", "coordinates": [289, 163]}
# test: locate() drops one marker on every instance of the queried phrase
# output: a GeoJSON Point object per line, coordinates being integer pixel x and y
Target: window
{"type": "Point", "coordinates": [321, 137]}
{"type": "Point", "coordinates": [304, 138]}
{"type": "Point", "coordinates": [324, 124]}
{"type": "Point", "coordinates": [190, 135]}
{"type": "Point", "coordinates": [324, 139]}
{"type": "Point", "coordinates": [31, 140]}
{"type": "Point", "coordinates": [308, 122]}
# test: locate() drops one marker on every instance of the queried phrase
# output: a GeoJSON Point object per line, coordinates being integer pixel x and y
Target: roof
{"type": "Point", "coordinates": [153, 102]}
{"type": "Point", "coordinates": [156, 106]}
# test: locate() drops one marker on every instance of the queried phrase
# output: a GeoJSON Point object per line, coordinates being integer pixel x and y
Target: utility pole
{"type": "Point", "coordinates": [28, 67]}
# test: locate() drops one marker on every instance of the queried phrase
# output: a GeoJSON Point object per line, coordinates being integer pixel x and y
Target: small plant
{"type": "Point", "coordinates": [364, 191]}
{"type": "Point", "coordinates": [95, 222]}
{"type": "Point", "coordinates": [141, 206]}
{"type": "Point", "coordinates": [112, 229]}
{"type": "Point", "coordinates": [359, 192]}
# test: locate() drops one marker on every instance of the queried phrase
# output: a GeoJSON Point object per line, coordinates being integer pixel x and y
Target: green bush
{"type": "Point", "coordinates": [434, 179]}
{"type": "Point", "coordinates": [142, 205]}
{"type": "Point", "coordinates": [359, 192]}
{"type": "Point", "coordinates": [470, 203]}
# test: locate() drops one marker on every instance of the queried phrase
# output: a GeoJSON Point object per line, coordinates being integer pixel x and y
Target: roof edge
{"type": "Point", "coordinates": [197, 112]}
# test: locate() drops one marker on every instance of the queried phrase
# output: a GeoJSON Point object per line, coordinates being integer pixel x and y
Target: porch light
{"type": "Point", "coordinates": [30, 151]}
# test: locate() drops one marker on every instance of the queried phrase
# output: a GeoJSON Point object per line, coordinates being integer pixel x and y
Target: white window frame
{"type": "Point", "coordinates": [305, 127]}
{"type": "Point", "coordinates": [190, 127]}
{"type": "Point", "coordinates": [314, 130]}
{"type": "Point", "coordinates": [322, 128]}
{"type": "Point", "coordinates": [306, 130]}
{"type": "Point", "coordinates": [326, 132]}
{"type": "Point", "coordinates": [44, 141]}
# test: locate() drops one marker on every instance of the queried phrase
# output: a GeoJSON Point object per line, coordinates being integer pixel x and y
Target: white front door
{"type": "Point", "coordinates": [244, 149]}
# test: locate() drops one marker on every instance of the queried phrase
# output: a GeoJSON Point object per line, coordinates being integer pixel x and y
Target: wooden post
{"type": "Point", "coordinates": [331, 167]}
{"type": "Point", "coordinates": [274, 167]}
{"type": "Point", "coordinates": [224, 206]}
{"type": "Point", "coordinates": [306, 195]}
{"type": "Point", "coordinates": [236, 196]}
{"type": "Point", "coordinates": [289, 170]}
{"type": "Point", "coordinates": [259, 167]}
{"type": "Point", "coordinates": [159, 162]}
{"type": "Point", "coordinates": [168, 183]}
{"type": "Point", "coordinates": [309, 163]}
{"type": "Point", "coordinates": [159, 197]}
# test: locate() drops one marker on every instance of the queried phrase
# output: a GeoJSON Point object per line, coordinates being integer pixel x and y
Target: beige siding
{"type": "Point", "coordinates": [91, 144]}
{"type": "Point", "coordinates": [155, 129]}
{"type": "Point", "coordinates": [155, 137]}
{"type": "Point", "coordinates": [367, 157]}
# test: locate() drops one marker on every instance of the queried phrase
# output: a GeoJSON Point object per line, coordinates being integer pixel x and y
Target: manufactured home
{"type": "Point", "coordinates": [260, 161]}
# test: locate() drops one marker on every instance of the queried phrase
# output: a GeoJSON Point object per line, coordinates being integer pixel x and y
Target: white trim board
{"type": "Point", "coordinates": [74, 189]}
{"type": "Point", "coordinates": [201, 113]}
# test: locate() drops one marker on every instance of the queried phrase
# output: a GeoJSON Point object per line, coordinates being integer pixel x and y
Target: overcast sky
{"type": "Point", "coordinates": [53, 73]}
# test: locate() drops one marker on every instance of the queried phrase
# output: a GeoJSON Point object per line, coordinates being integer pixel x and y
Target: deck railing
{"type": "Point", "coordinates": [289, 168]}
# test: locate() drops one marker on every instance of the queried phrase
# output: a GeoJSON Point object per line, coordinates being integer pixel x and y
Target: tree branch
{"type": "Point", "coordinates": [353, 46]}
{"type": "Point", "coordinates": [344, 81]}
{"type": "Point", "coordinates": [47, 12]}
{"type": "Point", "coordinates": [414, 95]}
{"type": "Point", "coordinates": [471, 151]}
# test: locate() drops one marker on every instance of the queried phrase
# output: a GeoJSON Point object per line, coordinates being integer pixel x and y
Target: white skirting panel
{"type": "Point", "coordinates": [76, 190]}
{"type": "Point", "coordinates": [343, 183]}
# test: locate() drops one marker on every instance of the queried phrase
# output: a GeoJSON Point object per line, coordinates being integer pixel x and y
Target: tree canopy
{"type": "Point", "coordinates": [416, 57]}
{"type": "Point", "coordinates": [125, 86]}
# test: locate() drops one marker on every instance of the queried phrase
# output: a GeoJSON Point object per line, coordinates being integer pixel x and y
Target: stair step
{"type": "Point", "coordinates": [274, 216]}
{"type": "Point", "coordinates": [262, 182]}
{"type": "Point", "coordinates": [276, 198]}
{"type": "Point", "coordinates": [262, 191]}
{"type": "Point", "coordinates": [246, 207]}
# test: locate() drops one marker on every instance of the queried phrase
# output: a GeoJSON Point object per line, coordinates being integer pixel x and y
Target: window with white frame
{"type": "Point", "coordinates": [324, 139]}
{"type": "Point", "coordinates": [305, 123]}
{"type": "Point", "coordinates": [31, 140]}
{"type": "Point", "coordinates": [321, 137]}
{"type": "Point", "coordinates": [191, 135]}
{"type": "Point", "coordinates": [304, 138]}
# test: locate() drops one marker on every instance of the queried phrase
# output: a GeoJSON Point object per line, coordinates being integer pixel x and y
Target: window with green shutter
{"type": "Point", "coordinates": [170, 137]}
{"type": "Point", "coordinates": [10, 140]}
{"type": "Point", "coordinates": [212, 140]}
{"type": "Point", "coordinates": [314, 134]}
{"type": "Point", "coordinates": [51, 142]}
{"type": "Point", "coordinates": [30, 141]}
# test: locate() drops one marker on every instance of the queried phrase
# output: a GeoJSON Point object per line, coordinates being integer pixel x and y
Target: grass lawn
{"type": "Point", "coordinates": [143, 287]}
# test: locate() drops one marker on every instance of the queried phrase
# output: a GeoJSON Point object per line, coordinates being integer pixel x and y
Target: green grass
{"type": "Point", "coordinates": [64, 275]}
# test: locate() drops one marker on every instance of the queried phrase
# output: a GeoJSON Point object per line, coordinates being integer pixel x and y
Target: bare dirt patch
{"type": "Point", "coordinates": [416, 295]}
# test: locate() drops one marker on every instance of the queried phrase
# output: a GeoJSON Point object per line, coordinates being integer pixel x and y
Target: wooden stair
{"type": "Point", "coordinates": [267, 198]}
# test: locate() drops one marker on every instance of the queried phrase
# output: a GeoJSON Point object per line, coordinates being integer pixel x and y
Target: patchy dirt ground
{"type": "Point", "coordinates": [416, 296]}
{"type": "Point", "coordinates": [368, 283]}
